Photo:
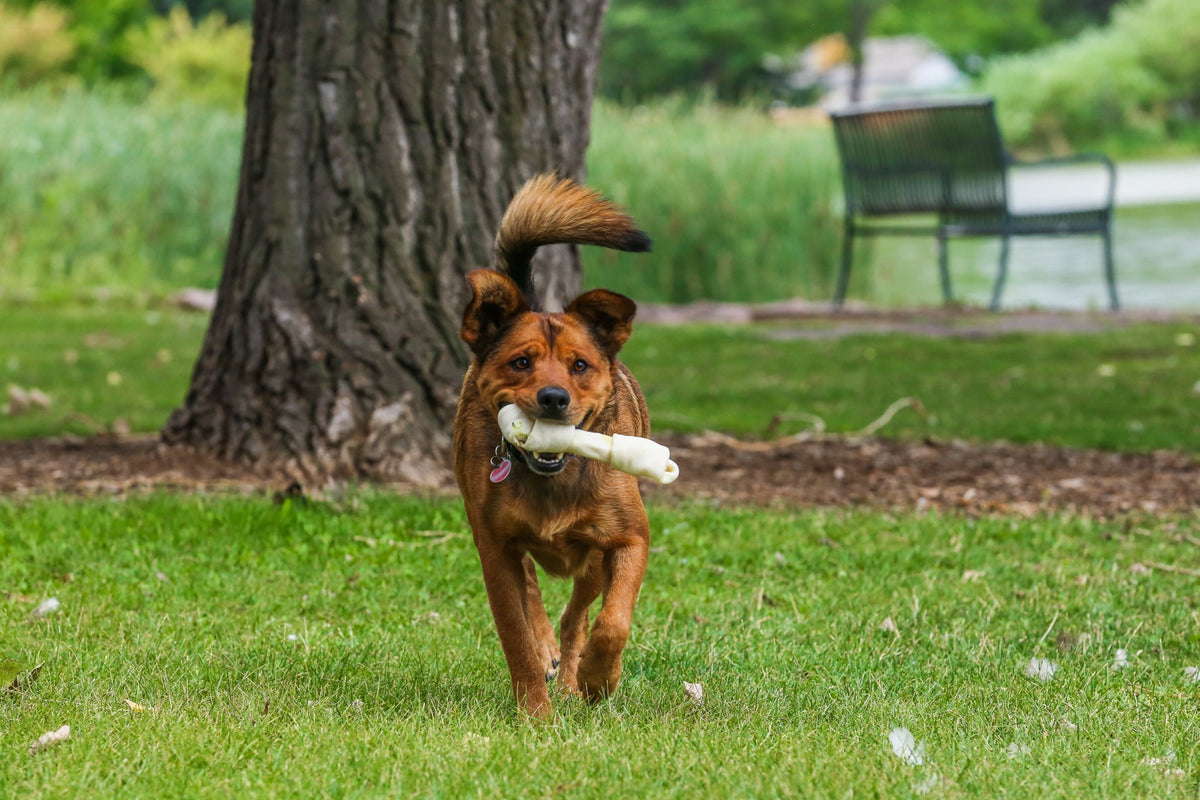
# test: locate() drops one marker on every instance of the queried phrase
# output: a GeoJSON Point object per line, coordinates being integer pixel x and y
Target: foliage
{"type": "Point", "coordinates": [1129, 389]}
{"type": "Point", "coordinates": [34, 44]}
{"type": "Point", "coordinates": [664, 47]}
{"type": "Point", "coordinates": [1151, 69]}
{"type": "Point", "coordinates": [208, 61]}
{"type": "Point", "coordinates": [714, 47]}
{"type": "Point", "coordinates": [99, 28]}
{"type": "Point", "coordinates": [218, 646]}
{"type": "Point", "coordinates": [100, 191]}
{"type": "Point", "coordinates": [233, 10]}
{"type": "Point", "coordinates": [741, 208]}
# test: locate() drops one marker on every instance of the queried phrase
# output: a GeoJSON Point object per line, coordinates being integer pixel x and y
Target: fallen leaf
{"type": "Point", "coordinates": [1122, 659]}
{"type": "Point", "coordinates": [1041, 669]}
{"type": "Point", "coordinates": [1017, 750]}
{"type": "Point", "coordinates": [19, 684]}
{"type": "Point", "coordinates": [905, 746]}
{"type": "Point", "coordinates": [137, 708]}
{"type": "Point", "coordinates": [926, 785]}
{"type": "Point", "coordinates": [47, 740]}
{"type": "Point", "coordinates": [1140, 569]}
{"type": "Point", "coordinates": [1192, 674]}
{"type": "Point", "coordinates": [47, 607]}
{"type": "Point", "coordinates": [39, 399]}
{"type": "Point", "coordinates": [694, 691]}
{"type": "Point", "coordinates": [970, 575]}
{"type": "Point", "coordinates": [1161, 761]}
{"type": "Point", "coordinates": [10, 672]}
{"type": "Point", "coordinates": [889, 625]}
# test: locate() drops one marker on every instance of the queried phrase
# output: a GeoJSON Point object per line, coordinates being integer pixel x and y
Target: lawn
{"type": "Point", "coordinates": [346, 650]}
{"type": "Point", "coordinates": [1129, 389]}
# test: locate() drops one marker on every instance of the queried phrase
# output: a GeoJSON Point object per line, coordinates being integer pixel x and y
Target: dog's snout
{"type": "Point", "coordinates": [553, 400]}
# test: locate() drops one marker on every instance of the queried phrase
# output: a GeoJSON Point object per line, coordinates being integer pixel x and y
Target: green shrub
{"type": "Point", "coordinates": [740, 208]}
{"type": "Point", "coordinates": [100, 28]}
{"type": "Point", "coordinates": [34, 44]}
{"type": "Point", "coordinates": [1130, 79]}
{"type": "Point", "coordinates": [208, 61]}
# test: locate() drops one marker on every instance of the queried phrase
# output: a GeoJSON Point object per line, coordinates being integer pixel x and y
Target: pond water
{"type": "Point", "coordinates": [1156, 243]}
{"type": "Point", "coordinates": [1156, 252]}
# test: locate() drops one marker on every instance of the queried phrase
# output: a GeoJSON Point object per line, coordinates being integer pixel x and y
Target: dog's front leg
{"type": "Point", "coordinates": [600, 665]}
{"type": "Point", "coordinates": [505, 579]}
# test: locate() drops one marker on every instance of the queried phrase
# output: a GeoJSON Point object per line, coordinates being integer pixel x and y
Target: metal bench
{"type": "Point", "coordinates": [948, 159]}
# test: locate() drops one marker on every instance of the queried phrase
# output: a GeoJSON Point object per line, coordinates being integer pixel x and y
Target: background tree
{"type": "Point", "coordinates": [657, 47]}
{"type": "Point", "coordinates": [383, 140]}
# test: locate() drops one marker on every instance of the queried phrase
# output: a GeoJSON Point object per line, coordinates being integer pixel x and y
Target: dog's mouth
{"type": "Point", "coordinates": [545, 464]}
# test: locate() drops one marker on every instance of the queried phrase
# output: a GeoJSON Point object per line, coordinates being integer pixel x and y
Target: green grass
{"type": "Point", "coordinates": [249, 631]}
{"type": "Point", "coordinates": [98, 364]}
{"type": "Point", "coordinates": [101, 191]}
{"type": "Point", "coordinates": [1129, 389]}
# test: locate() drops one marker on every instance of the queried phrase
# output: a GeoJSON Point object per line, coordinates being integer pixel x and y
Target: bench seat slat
{"type": "Point", "coordinates": [946, 159]}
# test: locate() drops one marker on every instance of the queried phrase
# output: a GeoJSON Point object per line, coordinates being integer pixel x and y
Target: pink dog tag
{"type": "Point", "coordinates": [501, 472]}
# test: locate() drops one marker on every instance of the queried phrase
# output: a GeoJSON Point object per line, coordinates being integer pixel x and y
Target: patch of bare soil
{"type": "Point", "coordinates": [822, 472]}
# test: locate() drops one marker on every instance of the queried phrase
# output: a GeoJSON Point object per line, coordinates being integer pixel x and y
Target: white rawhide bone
{"type": "Point", "coordinates": [631, 454]}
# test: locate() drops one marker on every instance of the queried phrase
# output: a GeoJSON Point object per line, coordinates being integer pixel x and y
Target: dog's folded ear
{"type": "Point", "coordinates": [497, 299]}
{"type": "Point", "coordinates": [609, 316]}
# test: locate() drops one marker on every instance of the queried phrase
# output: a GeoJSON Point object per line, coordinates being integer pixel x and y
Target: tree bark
{"type": "Point", "coordinates": [383, 140]}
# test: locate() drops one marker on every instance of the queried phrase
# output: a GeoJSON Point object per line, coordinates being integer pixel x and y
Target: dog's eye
{"type": "Point", "coordinates": [521, 363]}
{"type": "Point", "coordinates": [580, 365]}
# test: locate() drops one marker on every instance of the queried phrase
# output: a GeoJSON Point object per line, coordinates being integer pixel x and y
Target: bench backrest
{"type": "Point", "coordinates": [922, 157]}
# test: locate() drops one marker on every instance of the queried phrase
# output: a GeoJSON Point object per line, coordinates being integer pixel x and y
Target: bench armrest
{"type": "Point", "coordinates": [1078, 158]}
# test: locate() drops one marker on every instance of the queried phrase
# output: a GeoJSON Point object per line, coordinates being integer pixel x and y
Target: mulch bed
{"type": "Point", "coordinates": [819, 472]}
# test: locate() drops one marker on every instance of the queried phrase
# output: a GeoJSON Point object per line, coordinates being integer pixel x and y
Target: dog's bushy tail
{"type": "Point", "coordinates": [553, 210]}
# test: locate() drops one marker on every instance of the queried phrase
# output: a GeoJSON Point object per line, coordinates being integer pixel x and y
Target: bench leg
{"type": "Point", "coordinates": [944, 268]}
{"type": "Point", "coordinates": [1001, 273]}
{"type": "Point", "coordinates": [1110, 272]}
{"type": "Point", "coordinates": [843, 279]}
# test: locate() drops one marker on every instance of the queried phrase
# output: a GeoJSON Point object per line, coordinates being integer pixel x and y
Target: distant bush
{"type": "Point", "coordinates": [207, 62]}
{"type": "Point", "coordinates": [99, 28]}
{"type": "Point", "coordinates": [34, 44]}
{"type": "Point", "coordinates": [1136, 77]}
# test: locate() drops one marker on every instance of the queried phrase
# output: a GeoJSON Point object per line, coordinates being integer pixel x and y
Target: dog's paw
{"type": "Point", "coordinates": [598, 678]}
{"type": "Point", "coordinates": [552, 672]}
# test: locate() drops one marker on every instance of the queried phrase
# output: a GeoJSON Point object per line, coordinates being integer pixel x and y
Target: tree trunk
{"type": "Point", "coordinates": [383, 140]}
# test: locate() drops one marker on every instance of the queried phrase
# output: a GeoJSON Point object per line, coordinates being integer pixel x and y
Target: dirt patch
{"type": "Point", "coordinates": [826, 472]}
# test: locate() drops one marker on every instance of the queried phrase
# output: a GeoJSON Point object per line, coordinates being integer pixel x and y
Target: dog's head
{"type": "Point", "coordinates": [551, 365]}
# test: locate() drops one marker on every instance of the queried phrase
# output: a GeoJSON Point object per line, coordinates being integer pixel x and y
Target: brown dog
{"type": "Point", "coordinates": [575, 517]}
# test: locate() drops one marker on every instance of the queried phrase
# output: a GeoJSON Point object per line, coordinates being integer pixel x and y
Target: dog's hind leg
{"type": "Point", "coordinates": [600, 664]}
{"type": "Point", "coordinates": [573, 626]}
{"type": "Point", "coordinates": [538, 619]}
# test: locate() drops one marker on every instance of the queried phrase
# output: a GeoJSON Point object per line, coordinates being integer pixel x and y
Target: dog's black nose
{"type": "Point", "coordinates": [553, 400]}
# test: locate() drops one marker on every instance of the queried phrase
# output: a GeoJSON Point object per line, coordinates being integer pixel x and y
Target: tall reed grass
{"type": "Point", "coordinates": [101, 191]}
{"type": "Point", "coordinates": [739, 207]}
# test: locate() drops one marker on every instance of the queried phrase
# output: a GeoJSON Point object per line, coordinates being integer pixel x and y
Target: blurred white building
{"type": "Point", "coordinates": [893, 67]}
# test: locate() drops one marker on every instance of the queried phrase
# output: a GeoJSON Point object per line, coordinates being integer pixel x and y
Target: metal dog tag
{"type": "Point", "coordinates": [501, 471]}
